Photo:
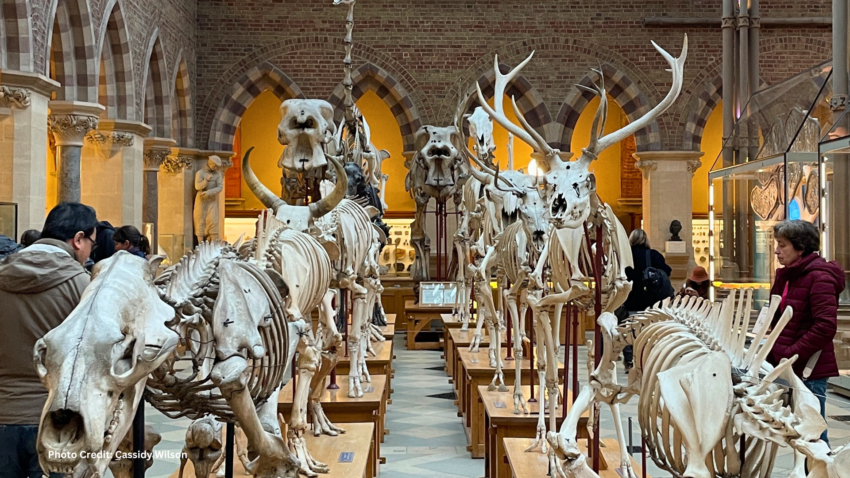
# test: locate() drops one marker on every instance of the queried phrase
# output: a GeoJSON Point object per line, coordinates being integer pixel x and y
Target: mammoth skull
{"type": "Point", "coordinates": [306, 126]}
{"type": "Point", "coordinates": [438, 156]}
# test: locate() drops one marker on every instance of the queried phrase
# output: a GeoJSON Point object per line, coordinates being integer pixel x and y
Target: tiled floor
{"type": "Point", "coordinates": [426, 436]}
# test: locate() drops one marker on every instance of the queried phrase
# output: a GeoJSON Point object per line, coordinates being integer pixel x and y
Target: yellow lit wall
{"type": "Point", "coordinates": [386, 135]}
{"type": "Point", "coordinates": [259, 130]}
{"type": "Point", "coordinates": [522, 151]}
{"type": "Point", "coordinates": [712, 141]}
{"type": "Point", "coordinates": [607, 167]}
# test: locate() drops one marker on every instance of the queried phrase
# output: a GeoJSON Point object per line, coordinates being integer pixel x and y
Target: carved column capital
{"type": "Point", "coordinates": [154, 158]}
{"type": "Point", "coordinates": [646, 166]}
{"type": "Point", "coordinates": [838, 102]}
{"type": "Point", "coordinates": [727, 22]}
{"type": "Point", "coordinates": [174, 164]}
{"type": "Point", "coordinates": [743, 21]}
{"type": "Point", "coordinates": [693, 165]}
{"type": "Point", "coordinates": [12, 97]}
{"type": "Point", "coordinates": [109, 138]}
{"type": "Point", "coordinates": [755, 22]}
{"type": "Point", "coordinates": [70, 129]}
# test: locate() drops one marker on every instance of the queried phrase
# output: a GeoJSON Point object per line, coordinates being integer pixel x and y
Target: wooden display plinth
{"type": "Point", "coordinates": [534, 464]}
{"type": "Point", "coordinates": [460, 340]}
{"type": "Point", "coordinates": [341, 409]}
{"type": "Point", "coordinates": [380, 364]}
{"type": "Point", "coordinates": [419, 318]}
{"type": "Point", "coordinates": [328, 450]}
{"type": "Point", "coordinates": [476, 373]}
{"type": "Point", "coordinates": [501, 422]}
{"type": "Point", "coordinates": [397, 291]}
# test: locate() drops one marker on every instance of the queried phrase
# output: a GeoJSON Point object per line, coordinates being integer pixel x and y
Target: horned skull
{"type": "Point", "coordinates": [481, 128]}
{"type": "Point", "coordinates": [96, 363]}
{"type": "Point", "coordinates": [306, 127]}
{"type": "Point", "coordinates": [438, 155]}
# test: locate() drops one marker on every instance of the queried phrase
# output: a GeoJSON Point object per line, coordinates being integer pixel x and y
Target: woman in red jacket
{"type": "Point", "coordinates": [810, 285]}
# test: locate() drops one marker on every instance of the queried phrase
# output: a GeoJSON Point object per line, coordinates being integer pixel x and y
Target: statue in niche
{"type": "Point", "coordinates": [209, 182]}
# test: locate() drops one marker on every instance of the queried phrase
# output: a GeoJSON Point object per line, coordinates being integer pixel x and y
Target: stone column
{"type": "Point", "coordinates": [667, 193]}
{"type": "Point", "coordinates": [23, 144]}
{"type": "Point", "coordinates": [70, 122]}
{"type": "Point", "coordinates": [112, 165]}
{"type": "Point", "coordinates": [176, 194]}
{"type": "Point", "coordinates": [156, 151]}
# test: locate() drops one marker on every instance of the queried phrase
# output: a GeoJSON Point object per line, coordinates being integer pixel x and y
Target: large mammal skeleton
{"type": "Point", "coordinates": [701, 391]}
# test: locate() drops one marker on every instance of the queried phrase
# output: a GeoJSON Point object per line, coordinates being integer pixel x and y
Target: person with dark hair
{"type": "Point", "coordinates": [810, 285]}
{"type": "Point", "coordinates": [8, 246]}
{"type": "Point", "coordinates": [29, 237]}
{"type": "Point", "coordinates": [105, 245]}
{"type": "Point", "coordinates": [128, 238]}
{"type": "Point", "coordinates": [39, 287]}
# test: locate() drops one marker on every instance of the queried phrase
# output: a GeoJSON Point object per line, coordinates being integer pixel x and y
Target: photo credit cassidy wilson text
{"type": "Point", "coordinates": [117, 455]}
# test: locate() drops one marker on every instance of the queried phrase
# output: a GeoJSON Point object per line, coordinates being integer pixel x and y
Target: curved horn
{"type": "Point", "coordinates": [264, 194]}
{"type": "Point", "coordinates": [324, 205]}
{"type": "Point", "coordinates": [482, 177]}
{"type": "Point", "coordinates": [511, 187]}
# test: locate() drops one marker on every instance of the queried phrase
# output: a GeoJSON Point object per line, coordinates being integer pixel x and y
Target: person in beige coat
{"type": "Point", "coordinates": [39, 287]}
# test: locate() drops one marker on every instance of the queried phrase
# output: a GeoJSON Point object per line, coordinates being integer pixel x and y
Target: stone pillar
{"type": "Point", "coordinates": [70, 122]}
{"type": "Point", "coordinates": [23, 144]}
{"type": "Point", "coordinates": [112, 168]}
{"type": "Point", "coordinates": [176, 193]}
{"type": "Point", "coordinates": [667, 193]}
{"type": "Point", "coordinates": [156, 151]}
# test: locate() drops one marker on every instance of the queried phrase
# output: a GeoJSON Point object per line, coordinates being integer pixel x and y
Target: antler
{"type": "Point", "coordinates": [512, 188]}
{"type": "Point", "coordinates": [597, 144]}
{"type": "Point", "coordinates": [529, 137]}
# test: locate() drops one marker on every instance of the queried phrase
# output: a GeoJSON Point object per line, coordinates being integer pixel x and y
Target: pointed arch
{"type": "Point", "coordinates": [628, 96]}
{"type": "Point", "coordinates": [255, 81]}
{"type": "Point", "coordinates": [115, 87]}
{"type": "Point", "coordinates": [182, 124]}
{"type": "Point", "coordinates": [372, 77]}
{"type": "Point", "coordinates": [157, 106]}
{"type": "Point", "coordinates": [71, 49]}
{"type": "Point", "coordinates": [528, 99]}
{"type": "Point", "coordinates": [698, 115]}
{"type": "Point", "coordinates": [16, 32]}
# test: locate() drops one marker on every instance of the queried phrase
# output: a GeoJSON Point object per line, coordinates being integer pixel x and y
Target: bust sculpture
{"type": "Point", "coordinates": [675, 229]}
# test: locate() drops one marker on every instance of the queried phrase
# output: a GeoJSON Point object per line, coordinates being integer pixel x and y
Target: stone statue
{"type": "Point", "coordinates": [675, 229]}
{"type": "Point", "coordinates": [208, 182]}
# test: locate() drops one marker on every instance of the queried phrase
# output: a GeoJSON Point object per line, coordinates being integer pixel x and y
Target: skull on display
{"type": "Point", "coordinates": [356, 179]}
{"type": "Point", "coordinates": [95, 364]}
{"type": "Point", "coordinates": [481, 128]}
{"type": "Point", "coordinates": [438, 156]}
{"type": "Point", "coordinates": [306, 126]}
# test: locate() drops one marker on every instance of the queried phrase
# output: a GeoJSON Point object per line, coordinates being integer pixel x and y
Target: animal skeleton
{"type": "Point", "coordinates": [700, 392]}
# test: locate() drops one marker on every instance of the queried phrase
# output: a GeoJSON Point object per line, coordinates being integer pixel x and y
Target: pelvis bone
{"type": "Point", "coordinates": [306, 126]}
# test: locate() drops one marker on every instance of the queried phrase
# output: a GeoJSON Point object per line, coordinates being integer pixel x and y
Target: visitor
{"type": "Point", "coordinates": [647, 262]}
{"type": "Point", "coordinates": [29, 237]}
{"type": "Point", "coordinates": [39, 287]}
{"type": "Point", "coordinates": [697, 284]}
{"type": "Point", "coordinates": [810, 286]}
{"type": "Point", "coordinates": [104, 244]}
{"type": "Point", "coordinates": [8, 246]}
{"type": "Point", "coordinates": [128, 238]}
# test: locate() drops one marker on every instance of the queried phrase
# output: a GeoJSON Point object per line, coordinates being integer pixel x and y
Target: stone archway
{"type": "Point", "coordinates": [71, 48]}
{"type": "Point", "coordinates": [16, 28]}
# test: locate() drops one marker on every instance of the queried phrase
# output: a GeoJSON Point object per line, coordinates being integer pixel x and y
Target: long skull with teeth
{"type": "Point", "coordinates": [96, 363]}
{"type": "Point", "coordinates": [306, 127]}
{"type": "Point", "coordinates": [481, 128]}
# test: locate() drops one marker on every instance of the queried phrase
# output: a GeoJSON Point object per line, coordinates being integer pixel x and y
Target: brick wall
{"type": "Point", "coordinates": [433, 47]}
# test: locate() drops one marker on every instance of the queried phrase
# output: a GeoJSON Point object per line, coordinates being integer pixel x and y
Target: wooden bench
{"type": "Point", "coordinates": [477, 372]}
{"type": "Point", "coordinates": [341, 409]}
{"type": "Point", "coordinates": [501, 422]}
{"type": "Point", "coordinates": [380, 364]}
{"type": "Point", "coordinates": [419, 318]}
{"type": "Point", "coordinates": [328, 450]}
{"type": "Point", "coordinates": [534, 464]}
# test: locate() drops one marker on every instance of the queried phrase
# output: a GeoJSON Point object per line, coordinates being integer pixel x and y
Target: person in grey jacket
{"type": "Point", "coordinates": [39, 287]}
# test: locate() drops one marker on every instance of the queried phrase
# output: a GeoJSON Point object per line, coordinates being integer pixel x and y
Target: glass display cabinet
{"type": "Point", "coordinates": [769, 169]}
{"type": "Point", "coordinates": [834, 187]}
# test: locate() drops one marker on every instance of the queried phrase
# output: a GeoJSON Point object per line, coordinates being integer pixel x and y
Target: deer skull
{"type": "Point", "coordinates": [306, 127]}
{"type": "Point", "coordinates": [481, 128]}
{"type": "Point", "coordinates": [96, 363]}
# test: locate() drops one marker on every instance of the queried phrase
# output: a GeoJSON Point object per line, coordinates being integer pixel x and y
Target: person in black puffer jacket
{"type": "Point", "coordinates": [8, 246]}
{"type": "Point", "coordinates": [637, 300]}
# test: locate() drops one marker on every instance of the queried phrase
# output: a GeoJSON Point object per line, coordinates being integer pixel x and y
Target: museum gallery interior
{"type": "Point", "coordinates": [399, 238]}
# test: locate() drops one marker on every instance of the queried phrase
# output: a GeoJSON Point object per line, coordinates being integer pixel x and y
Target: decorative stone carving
{"type": "Point", "coordinates": [694, 165]}
{"type": "Point", "coordinates": [838, 102]}
{"type": "Point", "coordinates": [175, 164]}
{"type": "Point", "coordinates": [113, 138]}
{"type": "Point", "coordinates": [743, 21]}
{"type": "Point", "coordinates": [70, 129]}
{"type": "Point", "coordinates": [11, 97]}
{"type": "Point", "coordinates": [155, 157]}
{"type": "Point", "coordinates": [727, 22]}
{"type": "Point", "coordinates": [209, 182]}
{"type": "Point", "coordinates": [646, 166]}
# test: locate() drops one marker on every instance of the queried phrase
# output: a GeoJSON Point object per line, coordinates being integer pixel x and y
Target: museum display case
{"type": "Point", "coordinates": [398, 255]}
{"type": "Point", "coordinates": [768, 170]}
